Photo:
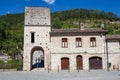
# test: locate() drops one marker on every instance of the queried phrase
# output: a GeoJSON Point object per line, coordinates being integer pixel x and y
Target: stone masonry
{"type": "Point", "coordinates": [38, 36]}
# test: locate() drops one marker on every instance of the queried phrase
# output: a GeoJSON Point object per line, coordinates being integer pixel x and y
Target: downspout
{"type": "Point", "coordinates": [107, 55]}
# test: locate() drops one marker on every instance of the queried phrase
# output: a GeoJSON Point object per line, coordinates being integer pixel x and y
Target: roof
{"type": "Point", "coordinates": [113, 37]}
{"type": "Point", "coordinates": [77, 31]}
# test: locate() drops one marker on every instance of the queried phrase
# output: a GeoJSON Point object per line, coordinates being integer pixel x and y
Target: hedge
{"type": "Point", "coordinates": [11, 64]}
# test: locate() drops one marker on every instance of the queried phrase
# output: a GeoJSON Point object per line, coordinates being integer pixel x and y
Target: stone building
{"type": "Point", "coordinates": [66, 49]}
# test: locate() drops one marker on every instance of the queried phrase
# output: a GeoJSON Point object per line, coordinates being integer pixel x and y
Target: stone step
{"type": "Point", "coordinates": [38, 69]}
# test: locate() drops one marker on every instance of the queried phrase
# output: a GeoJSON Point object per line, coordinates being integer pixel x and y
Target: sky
{"type": "Point", "coordinates": [18, 6]}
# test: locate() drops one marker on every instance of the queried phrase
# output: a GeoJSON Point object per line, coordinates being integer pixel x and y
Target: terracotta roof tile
{"type": "Point", "coordinates": [113, 37]}
{"type": "Point", "coordinates": [77, 31]}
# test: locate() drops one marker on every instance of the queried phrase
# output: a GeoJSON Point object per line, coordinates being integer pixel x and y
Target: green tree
{"type": "Point", "coordinates": [56, 23]}
{"type": "Point", "coordinates": [2, 36]}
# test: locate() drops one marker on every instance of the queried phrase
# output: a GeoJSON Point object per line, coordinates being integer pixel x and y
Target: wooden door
{"type": "Point", "coordinates": [79, 62]}
{"type": "Point", "coordinates": [95, 63]}
{"type": "Point", "coordinates": [65, 63]}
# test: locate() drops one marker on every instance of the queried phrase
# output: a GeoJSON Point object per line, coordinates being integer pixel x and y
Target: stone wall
{"type": "Point", "coordinates": [113, 47]}
{"type": "Point", "coordinates": [114, 53]}
{"type": "Point", "coordinates": [57, 52]}
{"type": "Point", "coordinates": [56, 45]}
{"type": "Point", "coordinates": [37, 20]}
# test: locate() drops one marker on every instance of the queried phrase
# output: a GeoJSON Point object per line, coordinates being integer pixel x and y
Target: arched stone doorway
{"type": "Point", "coordinates": [95, 63]}
{"type": "Point", "coordinates": [79, 62]}
{"type": "Point", "coordinates": [64, 63]}
{"type": "Point", "coordinates": [37, 57]}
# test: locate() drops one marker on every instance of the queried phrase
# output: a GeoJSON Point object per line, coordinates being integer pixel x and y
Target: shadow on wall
{"type": "Point", "coordinates": [38, 65]}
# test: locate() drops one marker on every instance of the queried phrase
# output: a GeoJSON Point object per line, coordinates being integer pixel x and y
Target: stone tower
{"type": "Point", "coordinates": [36, 38]}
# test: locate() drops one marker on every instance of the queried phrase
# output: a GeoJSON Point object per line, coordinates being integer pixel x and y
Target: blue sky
{"type": "Point", "coordinates": [17, 6]}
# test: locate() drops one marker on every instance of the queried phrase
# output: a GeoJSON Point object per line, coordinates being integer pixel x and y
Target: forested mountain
{"type": "Point", "coordinates": [11, 33]}
{"type": "Point", "coordinates": [84, 14]}
{"type": "Point", "coordinates": [92, 18]}
{"type": "Point", "coordinates": [11, 25]}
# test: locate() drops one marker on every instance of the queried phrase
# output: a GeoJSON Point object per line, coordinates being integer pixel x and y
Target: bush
{"type": "Point", "coordinates": [19, 68]}
{"type": "Point", "coordinates": [1, 61]}
{"type": "Point", "coordinates": [11, 64]}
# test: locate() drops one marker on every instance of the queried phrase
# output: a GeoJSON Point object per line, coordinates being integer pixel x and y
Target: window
{"type": "Point", "coordinates": [32, 37]}
{"type": "Point", "coordinates": [64, 43]}
{"type": "Point", "coordinates": [78, 42]}
{"type": "Point", "coordinates": [93, 42]}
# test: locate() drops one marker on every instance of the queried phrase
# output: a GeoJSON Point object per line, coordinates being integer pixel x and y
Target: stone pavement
{"type": "Point", "coordinates": [64, 75]}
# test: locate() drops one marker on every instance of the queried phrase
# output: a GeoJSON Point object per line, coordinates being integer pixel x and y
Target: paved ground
{"type": "Point", "coordinates": [64, 75]}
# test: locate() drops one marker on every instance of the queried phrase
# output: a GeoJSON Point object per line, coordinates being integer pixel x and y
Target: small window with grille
{"type": "Point", "coordinates": [78, 42]}
{"type": "Point", "coordinates": [64, 43]}
{"type": "Point", "coordinates": [93, 42]}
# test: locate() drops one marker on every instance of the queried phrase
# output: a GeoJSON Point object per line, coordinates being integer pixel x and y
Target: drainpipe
{"type": "Point", "coordinates": [107, 55]}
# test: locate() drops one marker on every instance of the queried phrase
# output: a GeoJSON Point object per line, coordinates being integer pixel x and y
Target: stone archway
{"type": "Point", "coordinates": [37, 57]}
{"type": "Point", "coordinates": [79, 62]}
{"type": "Point", "coordinates": [95, 63]}
{"type": "Point", "coordinates": [65, 63]}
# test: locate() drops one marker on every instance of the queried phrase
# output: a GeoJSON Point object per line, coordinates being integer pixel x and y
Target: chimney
{"type": "Point", "coordinates": [82, 26]}
{"type": "Point", "coordinates": [102, 25]}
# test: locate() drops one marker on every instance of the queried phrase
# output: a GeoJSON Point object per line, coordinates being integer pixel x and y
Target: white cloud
{"type": "Point", "coordinates": [49, 1]}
